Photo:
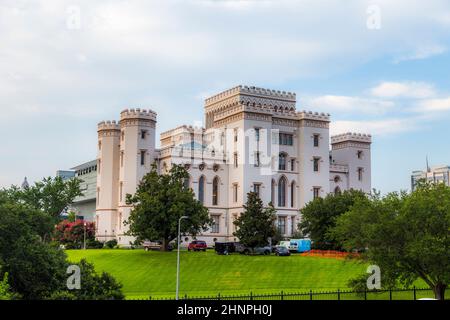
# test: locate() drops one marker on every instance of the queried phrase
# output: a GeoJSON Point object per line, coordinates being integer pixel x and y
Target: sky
{"type": "Point", "coordinates": [378, 67]}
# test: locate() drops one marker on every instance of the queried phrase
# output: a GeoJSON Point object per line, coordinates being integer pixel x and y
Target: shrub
{"type": "Point", "coordinates": [111, 244]}
{"type": "Point", "coordinates": [94, 244]}
{"type": "Point", "coordinates": [71, 234]}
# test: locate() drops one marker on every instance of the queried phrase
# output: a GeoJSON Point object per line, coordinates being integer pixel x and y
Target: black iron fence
{"type": "Point", "coordinates": [389, 294]}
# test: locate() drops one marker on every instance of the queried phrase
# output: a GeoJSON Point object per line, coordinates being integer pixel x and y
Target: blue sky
{"type": "Point", "coordinates": [380, 67]}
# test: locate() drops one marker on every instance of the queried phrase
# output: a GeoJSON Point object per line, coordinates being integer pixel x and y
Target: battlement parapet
{"type": "Point", "coordinates": [310, 115]}
{"type": "Point", "coordinates": [251, 90]}
{"type": "Point", "coordinates": [351, 136]}
{"type": "Point", "coordinates": [138, 114]}
{"type": "Point", "coordinates": [108, 126]}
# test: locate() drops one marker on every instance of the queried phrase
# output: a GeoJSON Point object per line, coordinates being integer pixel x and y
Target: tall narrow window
{"type": "Point", "coordinates": [360, 174]}
{"type": "Point", "coordinates": [201, 189]}
{"type": "Point", "coordinates": [99, 165]}
{"type": "Point", "coordinates": [337, 190]}
{"type": "Point", "coordinates": [215, 228]}
{"type": "Point", "coordinates": [316, 138]}
{"type": "Point", "coordinates": [215, 195]}
{"type": "Point", "coordinates": [122, 135]}
{"type": "Point", "coordinates": [257, 134]}
{"type": "Point", "coordinates": [121, 192]}
{"type": "Point", "coordinates": [99, 145]}
{"type": "Point", "coordinates": [257, 188]}
{"type": "Point", "coordinates": [257, 159]}
{"type": "Point", "coordinates": [316, 192]}
{"type": "Point", "coordinates": [292, 164]}
{"type": "Point", "coordinates": [292, 224]}
{"type": "Point", "coordinates": [272, 192]}
{"type": "Point", "coordinates": [359, 154]}
{"type": "Point", "coordinates": [143, 134]}
{"type": "Point", "coordinates": [235, 192]}
{"type": "Point", "coordinates": [143, 157]}
{"type": "Point", "coordinates": [316, 164]}
{"type": "Point", "coordinates": [186, 183]}
{"type": "Point", "coordinates": [282, 225]}
{"type": "Point", "coordinates": [235, 156]}
{"type": "Point", "coordinates": [282, 192]}
{"type": "Point", "coordinates": [235, 135]}
{"type": "Point", "coordinates": [282, 161]}
{"type": "Point", "coordinates": [121, 158]}
{"type": "Point", "coordinates": [292, 194]}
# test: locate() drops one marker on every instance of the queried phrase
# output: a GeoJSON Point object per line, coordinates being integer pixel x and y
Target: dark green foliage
{"type": "Point", "coordinates": [256, 224]}
{"type": "Point", "coordinates": [160, 200]}
{"type": "Point", "coordinates": [51, 195]}
{"type": "Point", "coordinates": [319, 217]}
{"type": "Point", "coordinates": [94, 286]}
{"type": "Point", "coordinates": [111, 244]}
{"type": "Point", "coordinates": [406, 235]}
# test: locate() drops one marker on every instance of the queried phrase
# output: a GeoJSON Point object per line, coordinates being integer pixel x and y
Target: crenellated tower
{"type": "Point", "coordinates": [107, 179]}
{"type": "Point", "coordinates": [136, 156]}
{"type": "Point", "coordinates": [353, 150]}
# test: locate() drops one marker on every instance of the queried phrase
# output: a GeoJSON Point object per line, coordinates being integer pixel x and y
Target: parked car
{"type": "Point", "coordinates": [282, 251]}
{"type": "Point", "coordinates": [197, 245]}
{"type": "Point", "coordinates": [225, 247]}
{"type": "Point", "coordinates": [154, 245]}
{"type": "Point", "coordinates": [258, 250]}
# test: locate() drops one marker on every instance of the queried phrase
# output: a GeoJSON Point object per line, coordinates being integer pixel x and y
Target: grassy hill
{"type": "Point", "coordinates": [145, 274]}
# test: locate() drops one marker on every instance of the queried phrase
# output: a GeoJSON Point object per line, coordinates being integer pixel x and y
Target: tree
{"type": "Point", "coordinates": [160, 200]}
{"type": "Point", "coordinates": [406, 235]}
{"type": "Point", "coordinates": [93, 286]}
{"type": "Point", "coordinates": [51, 195]}
{"type": "Point", "coordinates": [256, 224]}
{"type": "Point", "coordinates": [319, 217]}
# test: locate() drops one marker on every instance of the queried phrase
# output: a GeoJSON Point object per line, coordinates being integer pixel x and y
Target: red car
{"type": "Point", "coordinates": [197, 245]}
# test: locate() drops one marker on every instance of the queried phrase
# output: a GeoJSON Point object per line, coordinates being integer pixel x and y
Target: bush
{"type": "Point", "coordinates": [72, 234]}
{"type": "Point", "coordinates": [94, 244]}
{"type": "Point", "coordinates": [111, 244]}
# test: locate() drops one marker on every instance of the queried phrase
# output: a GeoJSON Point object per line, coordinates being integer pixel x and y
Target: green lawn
{"type": "Point", "coordinates": [145, 274]}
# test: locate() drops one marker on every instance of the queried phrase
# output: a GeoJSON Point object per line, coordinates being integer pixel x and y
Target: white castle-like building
{"type": "Point", "coordinates": [253, 140]}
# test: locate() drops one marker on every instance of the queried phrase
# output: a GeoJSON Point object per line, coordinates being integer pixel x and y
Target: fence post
{"type": "Point", "coordinates": [390, 294]}
{"type": "Point", "coordinates": [365, 294]}
{"type": "Point", "coordinates": [414, 290]}
{"type": "Point", "coordinates": [339, 294]}
{"type": "Point", "coordinates": [310, 294]}
{"type": "Point", "coordinates": [218, 296]}
{"type": "Point", "coordinates": [282, 297]}
{"type": "Point", "coordinates": [251, 295]}
{"type": "Point", "coordinates": [185, 296]}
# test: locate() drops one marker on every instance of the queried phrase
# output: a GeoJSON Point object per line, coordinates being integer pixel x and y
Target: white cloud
{"type": "Point", "coordinates": [422, 53]}
{"type": "Point", "coordinates": [433, 105]}
{"type": "Point", "coordinates": [403, 90]}
{"type": "Point", "coordinates": [332, 103]}
{"type": "Point", "coordinates": [374, 127]}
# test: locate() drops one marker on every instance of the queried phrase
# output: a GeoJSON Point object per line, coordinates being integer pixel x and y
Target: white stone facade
{"type": "Point", "coordinates": [254, 139]}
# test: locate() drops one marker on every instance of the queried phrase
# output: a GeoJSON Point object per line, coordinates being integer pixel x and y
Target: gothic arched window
{"type": "Point", "coordinates": [201, 189]}
{"type": "Point", "coordinates": [215, 191]}
{"type": "Point", "coordinates": [282, 192]}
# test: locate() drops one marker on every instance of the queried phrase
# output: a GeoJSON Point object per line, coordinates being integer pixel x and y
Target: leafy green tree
{"type": "Point", "coordinates": [256, 224]}
{"type": "Point", "coordinates": [93, 286]}
{"type": "Point", "coordinates": [319, 217]}
{"type": "Point", "coordinates": [51, 195]}
{"type": "Point", "coordinates": [160, 200]}
{"type": "Point", "coordinates": [406, 235]}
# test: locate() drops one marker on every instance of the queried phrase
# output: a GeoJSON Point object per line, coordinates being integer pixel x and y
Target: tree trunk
{"type": "Point", "coordinates": [439, 291]}
{"type": "Point", "coordinates": [165, 245]}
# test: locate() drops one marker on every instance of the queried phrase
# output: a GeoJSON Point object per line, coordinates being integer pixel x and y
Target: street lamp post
{"type": "Point", "coordinates": [84, 235]}
{"type": "Point", "coordinates": [178, 255]}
